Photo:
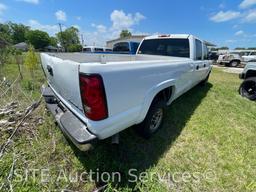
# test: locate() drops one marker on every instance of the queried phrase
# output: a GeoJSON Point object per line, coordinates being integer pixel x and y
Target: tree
{"type": "Point", "coordinates": [53, 41]}
{"type": "Point", "coordinates": [252, 48]}
{"type": "Point", "coordinates": [240, 48]}
{"type": "Point", "coordinates": [69, 38]}
{"type": "Point", "coordinates": [39, 39]}
{"type": "Point", "coordinates": [18, 32]}
{"type": "Point", "coordinates": [5, 32]}
{"type": "Point", "coordinates": [223, 48]}
{"type": "Point", "coordinates": [125, 33]}
{"type": "Point", "coordinates": [74, 48]}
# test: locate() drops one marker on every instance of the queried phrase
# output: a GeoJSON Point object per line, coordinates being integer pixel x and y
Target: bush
{"type": "Point", "coordinates": [31, 60]}
{"type": "Point", "coordinates": [74, 48]}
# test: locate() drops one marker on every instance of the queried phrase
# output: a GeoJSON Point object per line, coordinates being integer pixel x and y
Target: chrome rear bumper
{"type": "Point", "coordinates": [70, 125]}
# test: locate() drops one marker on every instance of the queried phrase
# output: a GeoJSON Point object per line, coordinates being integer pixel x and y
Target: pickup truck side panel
{"type": "Point", "coordinates": [128, 109]}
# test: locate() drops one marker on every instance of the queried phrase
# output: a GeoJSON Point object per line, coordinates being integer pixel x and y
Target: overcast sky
{"type": "Point", "coordinates": [223, 22]}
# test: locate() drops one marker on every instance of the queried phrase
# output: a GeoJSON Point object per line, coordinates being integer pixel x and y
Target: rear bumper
{"type": "Point", "coordinates": [69, 124]}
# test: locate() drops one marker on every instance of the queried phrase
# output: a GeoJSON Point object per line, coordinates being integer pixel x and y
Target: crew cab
{"type": "Point", "coordinates": [248, 86]}
{"type": "Point", "coordinates": [96, 96]}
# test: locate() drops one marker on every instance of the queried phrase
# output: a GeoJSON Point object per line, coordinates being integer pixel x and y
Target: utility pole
{"type": "Point", "coordinates": [82, 42]}
{"type": "Point", "coordinates": [61, 35]}
{"type": "Point", "coordinates": [82, 39]}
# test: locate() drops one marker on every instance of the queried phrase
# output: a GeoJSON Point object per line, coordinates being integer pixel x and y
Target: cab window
{"type": "Point", "coordinates": [198, 50]}
{"type": "Point", "coordinates": [205, 55]}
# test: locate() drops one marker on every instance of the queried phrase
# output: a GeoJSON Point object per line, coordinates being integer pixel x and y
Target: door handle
{"type": "Point", "coordinates": [49, 69]}
{"type": "Point", "coordinates": [197, 67]}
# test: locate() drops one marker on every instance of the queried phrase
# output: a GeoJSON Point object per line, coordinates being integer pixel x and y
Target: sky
{"type": "Point", "coordinates": [229, 23]}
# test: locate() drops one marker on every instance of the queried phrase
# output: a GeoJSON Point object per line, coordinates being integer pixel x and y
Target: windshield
{"type": "Point", "coordinates": [165, 47]}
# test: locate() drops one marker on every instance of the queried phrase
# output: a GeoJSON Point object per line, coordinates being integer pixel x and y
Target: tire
{"type": "Point", "coordinates": [248, 88]}
{"type": "Point", "coordinates": [234, 63]}
{"type": "Point", "coordinates": [153, 120]}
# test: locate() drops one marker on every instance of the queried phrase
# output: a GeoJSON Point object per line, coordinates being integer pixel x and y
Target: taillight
{"type": "Point", "coordinates": [93, 96]}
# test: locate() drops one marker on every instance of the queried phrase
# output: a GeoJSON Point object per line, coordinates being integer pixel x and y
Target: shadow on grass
{"type": "Point", "coordinates": [134, 152]}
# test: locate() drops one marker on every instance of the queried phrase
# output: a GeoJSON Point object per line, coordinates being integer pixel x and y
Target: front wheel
{"type": "Point", "coordinates": [234, 63]}
{"type": "Point", "coordinates": [248, 88]}
{"type": "Point", "coordinates": [153, 120]}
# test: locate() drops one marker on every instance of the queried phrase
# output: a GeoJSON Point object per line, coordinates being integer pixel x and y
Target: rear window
{"type": "Point", "coordinates": [165, 47]}
{"type": "Point", "coordinates": [121, 47]}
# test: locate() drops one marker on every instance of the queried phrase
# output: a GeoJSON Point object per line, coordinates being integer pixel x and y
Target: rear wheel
{"type": "Point", "coordinates": [248, 88]}
{"type": "Point", "coordinates": [153, 120]}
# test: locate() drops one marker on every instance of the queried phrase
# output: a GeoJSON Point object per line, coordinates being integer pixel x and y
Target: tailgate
{"type": "Point", "coordinates": [63, 77]}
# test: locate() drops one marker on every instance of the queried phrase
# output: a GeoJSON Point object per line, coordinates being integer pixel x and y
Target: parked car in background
{"type": "Point", "coordinates": [95, 49]}
{"type": "Point", "coordinates": [250, 57]}
{"type": "Point", "coordinates": [126, 47]}
{"type": "Point", "coordinates": [248, 87]}
{"type": "Point", "coordinates": [95, 96]}
{"type": "Point", "coordinates": [230, 59]}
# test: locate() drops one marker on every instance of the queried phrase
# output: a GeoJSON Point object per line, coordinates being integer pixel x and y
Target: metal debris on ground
{"type": "Point", "coordinates": [14, 120]}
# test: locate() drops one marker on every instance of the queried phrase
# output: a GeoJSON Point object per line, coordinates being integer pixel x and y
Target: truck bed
{"type": "Point", "coordinates": [109, 58]}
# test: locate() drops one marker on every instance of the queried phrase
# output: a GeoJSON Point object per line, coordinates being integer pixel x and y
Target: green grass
{"type": "Point", "coordinates": [208, 137]}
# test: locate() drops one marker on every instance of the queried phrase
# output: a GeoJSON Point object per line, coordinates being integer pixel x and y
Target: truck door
{"type": "Point", "coordinates": [199, 63]}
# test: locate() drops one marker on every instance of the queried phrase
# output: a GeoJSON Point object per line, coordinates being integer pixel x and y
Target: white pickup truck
{"type": "Point", "coordinates": [249, 58]}
{"type": "Point", "coordinates": [96, 96]}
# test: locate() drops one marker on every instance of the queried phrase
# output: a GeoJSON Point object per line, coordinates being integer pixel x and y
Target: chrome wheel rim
{"type": "Point", "coordinates": [156, 120]}
{"type": "Point", "coordinates": [234, 64]}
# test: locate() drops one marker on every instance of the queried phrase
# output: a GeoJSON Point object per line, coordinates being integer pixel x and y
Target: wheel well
{"type": "Point", "coordinates": [164, 95]}
{"type": "Point", "coordinates": [235, 60]}
{"type": "Point", "coordinates": [250, 73]}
